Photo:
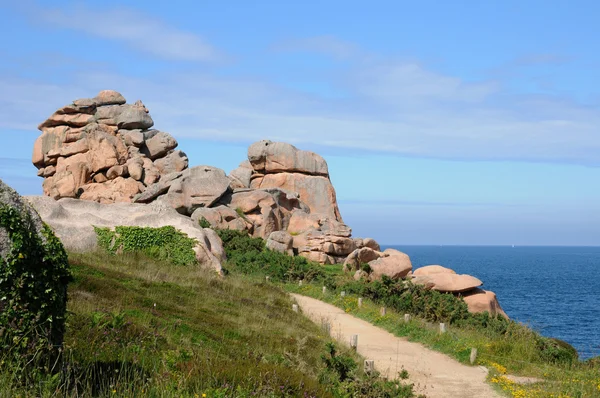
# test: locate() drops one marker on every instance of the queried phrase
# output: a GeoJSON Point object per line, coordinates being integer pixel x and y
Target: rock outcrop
{"type": "Point", "coordinates": [393, 264]}
{"type": "Point", "coordinates": [446, 282]}
{"type": "Point", "coordinates": [444, 279]}
{"type": "Point", "coordinates": [103, 149]}
{"type": "Point", "coordinates": [73, 222]}
{"type": "Point", "coordinates": [281, 165]}
{"type": "Point", "coordinates": [479, 300]}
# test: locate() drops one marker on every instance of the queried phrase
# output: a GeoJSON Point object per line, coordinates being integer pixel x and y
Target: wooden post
{"type": "Point", "coordinates": [382, 311]}
{"type": "Point", "coordinates": [473, 356]}
{"type": "Point", "coordinates": [406, 318]}
{"type": "Point", "coordinates": [326, 326]}
{"type": "Point", "coordinates": [354, 342]}
{"type": "Point", "coordinates": [359, 302]}
{"type": "Point", "coordinates": [300, 282]}
{"type": "Point", "coordinates": [369, 366]}
{"type": "Point", "coordinates": [442, 328]}
{"type": "Point", "coordinates": [267, 278]}
{"type": "Point", "coordinates": [343, 294]}
{"type": "Point", "coordinates": [324, 289]}
{"type": "Point", "coordinates": [295, 307]}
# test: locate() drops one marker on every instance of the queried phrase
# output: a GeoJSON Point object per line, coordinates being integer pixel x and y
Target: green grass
{"type": "Point", "coordinates": [143, 327]}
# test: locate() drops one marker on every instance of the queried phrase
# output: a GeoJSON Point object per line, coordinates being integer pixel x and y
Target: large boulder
{"type": "Point", "coordinates": [359, 257]}
{"type": "Point", "coordinates": [280, 241]}
{"type": "Point", "coordinates": [221, 217]}
{"type": "Point", "coordinates": [393, 264]}
{"type": "Point", "coordinates": [268, 157]}
{"type": "Point", "coordinates": [446, 282]}
{"type": "Point", "coordinates": [432, 269]}
{"type": "Point", "coordinates": [240, 177]}
{"type": "Point", "coordinates": [200, 186]}
{"type": "Point", "coordinates": [479, 300]}
{"type": "Point", "coordinates": [73, 222]}
{"type": "Point", "coordinates": [281, 165]}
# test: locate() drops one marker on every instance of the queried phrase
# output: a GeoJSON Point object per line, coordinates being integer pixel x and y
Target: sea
{"type": "Point", "coordinates": [555, 290]}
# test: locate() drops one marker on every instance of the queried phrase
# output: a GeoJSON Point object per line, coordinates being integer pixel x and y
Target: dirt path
{"type": "Point", "coordinates": [433, 374]}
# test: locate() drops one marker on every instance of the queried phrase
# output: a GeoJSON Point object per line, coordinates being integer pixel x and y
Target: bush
{"type": "Point", "coordinates": [250, 256]}
{"type": "Point", "coordinates": [33, 286]}
{"type": "Point", "coordinates": [164, 243]}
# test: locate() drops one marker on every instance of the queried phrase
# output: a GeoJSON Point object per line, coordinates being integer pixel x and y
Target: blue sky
{"type": "Point", "coordinates": [461, 122]}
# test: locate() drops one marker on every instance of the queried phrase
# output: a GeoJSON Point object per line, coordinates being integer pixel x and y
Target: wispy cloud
{"type": "Point", "coordinates": [327, 45]}
{"type": "Point", "coordinates": [132, 28]}
{"type": "Point", "coordinates": [389, 105]}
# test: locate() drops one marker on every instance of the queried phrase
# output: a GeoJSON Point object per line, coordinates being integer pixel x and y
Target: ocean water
{"type": "Point", "coordinates": [555, 290]}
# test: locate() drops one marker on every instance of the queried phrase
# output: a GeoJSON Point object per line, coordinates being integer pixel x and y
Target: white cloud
{"type": "Point", "coordinates": [137, 30]}
{"type": "Point", "coordinates": [390, 106]}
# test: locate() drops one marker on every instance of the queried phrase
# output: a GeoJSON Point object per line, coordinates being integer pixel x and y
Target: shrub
{"type": "Point", "coordinates": [250, 256]}
{"type": "Point", "coordinates": [164, 243]}
{"type": "Point", "coordinates": [33, 290]}
{"type": "Point", "coordinates": [204, 223]}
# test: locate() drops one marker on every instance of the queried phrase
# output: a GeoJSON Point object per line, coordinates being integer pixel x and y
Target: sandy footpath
{"type": "Point", "coordinates": [433, 374]}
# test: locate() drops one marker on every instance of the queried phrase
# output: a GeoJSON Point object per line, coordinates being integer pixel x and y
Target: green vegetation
{"type": "Point", "coordinates": [136, 328]}
{"type": "Point", "coordinates": [164, 243]}
{"type": "Point", "coordinates": [33, 294]}
{"type": "Point", "coordinates": [248, 255]}
{"type": "Point", "coordinates": [504, 346]}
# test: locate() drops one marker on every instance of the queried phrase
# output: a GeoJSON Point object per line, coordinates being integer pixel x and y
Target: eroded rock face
{"type": "Point", "coordinates": [280, 241]}
{"type": "Point", "coordinates": [100, 149]}
{"type": "Point", "coordinates": [360, 256]}
{"type": "Point", "coordinates": [73, 222]}
{"type": "Point", "coordinates": [200, 186]}
{"type": "Point", "coordinates": [447, 282]}
{"type": "Point", "coordinates": [479, 300]}
{"type": "Point", "coordinates": [281, 165]}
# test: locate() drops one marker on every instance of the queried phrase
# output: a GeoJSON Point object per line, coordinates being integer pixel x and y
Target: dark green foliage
{"type": "Point", "coordinates": [366, 268]}
{"type": "Point", "coordinates": [249, 256]}
{"type": "Point", "coordinates": [341, 371]}
{"type": "Point", "coordinates": [33, 292]}
{"type": "Point", "coordinates": [556, 351]}
{"type": "Point", "coordinates": [204, 223]}
{"type": "Point", "coordinates": [404, 296]}
{"type": "Point", "coordinates": [164, 243]}
{"type": "Point", "coordinates": [341, 365]}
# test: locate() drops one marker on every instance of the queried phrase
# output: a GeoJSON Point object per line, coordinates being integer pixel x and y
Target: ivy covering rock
{"type": "Point", "coordinates": [34, 273]}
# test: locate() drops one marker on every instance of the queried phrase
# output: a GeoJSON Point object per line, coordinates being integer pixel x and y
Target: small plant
{"type": "Point", "coordinates": [204, 223]}
{"type": "Point", "coordinates": [342, 365]}
{"type": "Point", "coordinates": [403, 375]}
{"type": "Point", "coordinates": [164, 243]}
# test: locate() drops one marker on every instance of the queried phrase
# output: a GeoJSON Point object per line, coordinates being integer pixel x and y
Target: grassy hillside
{"type": "Point", "coordinates": [143, 327]}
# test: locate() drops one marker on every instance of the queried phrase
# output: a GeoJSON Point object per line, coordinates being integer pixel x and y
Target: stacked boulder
{"type": "Point", "coordinates": [103, 149]}
{"type": "Point", "coordinates": [445, 279]}
{"type": "Point", "coordinates": [313, 220]}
